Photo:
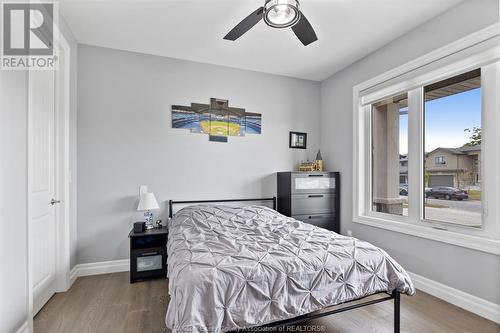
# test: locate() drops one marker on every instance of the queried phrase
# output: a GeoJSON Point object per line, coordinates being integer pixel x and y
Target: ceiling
{"type": "Point", "coordinates": [347, 30]}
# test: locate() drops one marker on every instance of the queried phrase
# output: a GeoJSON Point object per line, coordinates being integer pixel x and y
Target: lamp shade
{"type": "Point", "coordinates": [148, 202]}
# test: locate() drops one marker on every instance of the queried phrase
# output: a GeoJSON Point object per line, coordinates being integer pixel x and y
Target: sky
{"type": "Point", "coordinates": [445, 121]}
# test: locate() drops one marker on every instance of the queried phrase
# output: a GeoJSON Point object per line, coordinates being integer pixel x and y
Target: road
{"type": "Point", "coordinates": [467, 205]}
{"type": "Point", "coordinates": [465, 212]}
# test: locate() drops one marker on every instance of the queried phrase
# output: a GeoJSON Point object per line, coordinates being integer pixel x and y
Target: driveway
{"type": "Point", "coordinates": [454, 216]}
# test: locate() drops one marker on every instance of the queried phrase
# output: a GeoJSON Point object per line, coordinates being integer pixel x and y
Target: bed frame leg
{"type": "Point", "coordinates": [397, 314]}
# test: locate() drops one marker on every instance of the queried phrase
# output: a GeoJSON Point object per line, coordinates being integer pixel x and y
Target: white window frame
{"type": "Point", "coordinates": [487, 238]}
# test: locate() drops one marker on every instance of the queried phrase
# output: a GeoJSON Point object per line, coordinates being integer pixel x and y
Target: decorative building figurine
{"type": "Point", "coordinates": [319, 161]}
{"type": "Point", "coordinates": [317, 165]}
{"type": "Point", "coordinates": [307, 166]}
{"type": "Point", "coordinates": [159, 224]}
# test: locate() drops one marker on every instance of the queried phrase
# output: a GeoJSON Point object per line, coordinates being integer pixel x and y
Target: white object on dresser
{"type": "Point", "coordinates": [147, 203]}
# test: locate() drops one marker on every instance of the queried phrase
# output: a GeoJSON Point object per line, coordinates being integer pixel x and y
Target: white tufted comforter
{"type": "Point", "coordinates": [238, 267]}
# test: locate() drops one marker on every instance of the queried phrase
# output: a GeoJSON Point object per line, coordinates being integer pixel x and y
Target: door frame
{"type": "Point", "coordinates": [63, 185]}
{"type": "Point", "coordinates": [63, 182]}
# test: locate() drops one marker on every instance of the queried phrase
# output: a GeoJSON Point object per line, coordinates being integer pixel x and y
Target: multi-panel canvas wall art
{"type": "Point", "coordinates": [216, 119]}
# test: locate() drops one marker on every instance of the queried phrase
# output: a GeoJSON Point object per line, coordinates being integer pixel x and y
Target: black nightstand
{"type": "Point", "coordinates": [148, 254]}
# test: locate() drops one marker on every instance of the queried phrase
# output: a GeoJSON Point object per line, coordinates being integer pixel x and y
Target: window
{"type": "Point", "coordinates": [452, 113]}
{"type": "Point", "coordinates": [426, 158]}
{"type": "Point", "coordinates": [390, 155]}
{"type": "Point", "coordinates": [440, 160]}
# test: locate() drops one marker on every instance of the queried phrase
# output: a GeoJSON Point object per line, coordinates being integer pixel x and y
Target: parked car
{"type": "Point", "coordinates": [448, 193]}
{"type": "Point", "coordinates": [403, 189]}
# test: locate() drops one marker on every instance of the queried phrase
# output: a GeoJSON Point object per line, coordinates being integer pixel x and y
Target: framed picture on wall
{"type": "Point", "coordinates": [298, 140]}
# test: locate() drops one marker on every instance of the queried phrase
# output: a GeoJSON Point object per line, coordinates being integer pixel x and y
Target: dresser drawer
{"type": "Point", "coordinates": [312, 203]}
{"type": "Point", "coordinates": [326, 221]}
{"type": "Point", "coordinates": [313, 183]}
{"type": "Point", "coordinates": [147, 263]}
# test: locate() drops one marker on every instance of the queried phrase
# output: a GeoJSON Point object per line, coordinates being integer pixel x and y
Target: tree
{"type": "Point", "coordinates": [475, 137]}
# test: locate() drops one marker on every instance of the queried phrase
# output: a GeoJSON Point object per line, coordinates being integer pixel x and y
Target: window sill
{"type": "Point", "coordinates": [445, 236]}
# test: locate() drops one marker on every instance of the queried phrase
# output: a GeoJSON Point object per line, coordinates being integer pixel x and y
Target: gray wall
{"type": "Point", "coordinates": [125, 139]}
{"type": "Point", "coordinates": [13, 200]}
{"type": "Point", "coordinates": [471, 271]}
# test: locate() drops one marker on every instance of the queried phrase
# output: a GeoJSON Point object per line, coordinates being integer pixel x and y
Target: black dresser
{"type": "Point", "coordinates": [312, 197]}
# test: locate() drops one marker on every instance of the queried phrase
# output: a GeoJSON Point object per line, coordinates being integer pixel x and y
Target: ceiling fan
{"type": "Point", "coordinates": [277, 14]}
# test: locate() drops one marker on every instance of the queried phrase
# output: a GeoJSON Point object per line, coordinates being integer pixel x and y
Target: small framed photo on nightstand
{"type": "Point", "coordinates": [298, 140]}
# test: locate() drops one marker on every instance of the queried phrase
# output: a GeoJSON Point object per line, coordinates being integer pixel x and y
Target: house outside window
{"type": "Point", "coordinates": [403, 171]}
{"type": "Point", "coordinates": [463, 170]}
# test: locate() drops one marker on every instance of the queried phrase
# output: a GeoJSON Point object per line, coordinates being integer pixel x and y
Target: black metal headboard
{"type": "Point", "coordinates": [172, 202]}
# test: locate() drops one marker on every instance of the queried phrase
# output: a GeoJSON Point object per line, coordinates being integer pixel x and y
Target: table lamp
{"type": "Point", "coordinates": [147, 203]}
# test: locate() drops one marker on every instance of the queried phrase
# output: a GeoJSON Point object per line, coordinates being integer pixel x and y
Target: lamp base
{"type": "Point", "coordinates": [148, 216]}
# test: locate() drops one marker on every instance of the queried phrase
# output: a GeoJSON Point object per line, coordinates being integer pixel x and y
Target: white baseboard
{"type": "Point", "coordinates": [24, 328]}
{"type": "Point", "coordinates": [451, 295]}
{"type": "Point", "coordinates": [96, 268]}
{"type": "Point", "coordinates": [73, 274]}
{"type": "Point", "coordinates": [471, 303]}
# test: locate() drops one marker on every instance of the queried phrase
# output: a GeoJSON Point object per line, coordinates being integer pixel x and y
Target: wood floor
{"type": "Point", "coordinates": [109, 303]}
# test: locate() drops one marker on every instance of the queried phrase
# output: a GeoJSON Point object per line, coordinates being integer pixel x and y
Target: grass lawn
{"type": "Point", "coordinates": [405, 205]}
{"type": "Point", "coordinates": [474, 195]}
{"type": "Point", "coordinates": [435, 205]}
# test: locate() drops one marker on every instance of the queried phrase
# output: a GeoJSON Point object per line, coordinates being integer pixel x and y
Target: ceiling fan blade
{"type": "Point", "coordinates": [245, 25]}
{"type": "Point", "coordinates": [304, 31]}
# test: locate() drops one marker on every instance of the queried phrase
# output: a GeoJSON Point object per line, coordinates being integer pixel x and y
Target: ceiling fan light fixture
{"type": "Point", "coordinates": [281, 13]}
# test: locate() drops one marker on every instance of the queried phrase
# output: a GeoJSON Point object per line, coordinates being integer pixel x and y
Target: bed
{"type": "Point", "coordinates": [238, 267]}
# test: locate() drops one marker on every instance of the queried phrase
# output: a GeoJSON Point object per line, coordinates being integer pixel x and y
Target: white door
{"type": "Point", "coordinates": [42, 186]}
